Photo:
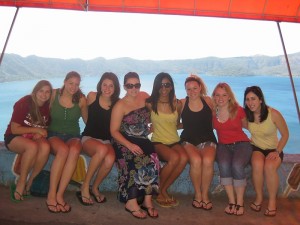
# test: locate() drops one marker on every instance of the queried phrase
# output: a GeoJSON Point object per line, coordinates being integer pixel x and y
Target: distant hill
{"type": "Point", "coordinates": [15, 67]}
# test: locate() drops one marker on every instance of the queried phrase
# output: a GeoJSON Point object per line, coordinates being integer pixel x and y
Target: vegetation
{"type": "Point", "coordinates": [15, 67]}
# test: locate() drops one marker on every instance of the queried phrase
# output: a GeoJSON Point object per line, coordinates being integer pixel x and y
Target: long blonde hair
{"type": "Point", "coordinates": [34, 109]}
{"type": "Point", "coordinates": [232, 103]}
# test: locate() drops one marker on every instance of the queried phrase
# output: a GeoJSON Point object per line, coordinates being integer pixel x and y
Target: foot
{"type": "Point", "coordinates": [64, 207]}
{"type": "Point", "coordinates": [86, 201]}
{"type": "Point", "coordinates": [255, 207]}
{"type": "Point", "coordinates": [138, 213]}
{"type": "Point", "coordinates": [239, 210]}
{"type": "Point", "coordinates": [99, 198]}
{"type": "Point", "coordinates": [270, 213]}
{"type": "Point", "coordinates": [52, 208]}
{"type": "Point", "coordinates": [207, 205]}
{"type": "Point", "coordinates": [151, 211]}
{"type": "Point", "coordinates": [197, 204]}
{"type": "Point", "coordinates": [230, 208]}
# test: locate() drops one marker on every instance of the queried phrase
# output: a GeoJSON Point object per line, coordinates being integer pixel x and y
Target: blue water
{"type": "Point", "coordinates": [278, 93]}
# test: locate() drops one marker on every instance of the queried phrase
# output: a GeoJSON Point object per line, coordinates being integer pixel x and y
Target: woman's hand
{"type": "Point", "coordinates": [135, 149]}
{"type": "Point", "coordinates": [273, 155]}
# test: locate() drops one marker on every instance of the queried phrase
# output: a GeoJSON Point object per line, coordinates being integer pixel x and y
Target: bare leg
{"type": "Point", "coordinates": [195, 161]}
{"type": "Point", "coordinates": [257, 161]}
{"type": "Point", "coordinates": [103, 171]}
{"type": "Point", "coordinates": [68, 171]}
{"type": "Point", "coordinates": [231, 198]}
{"type": "Point", "coordinates": [177, 160]}
{"type": "Point", "coordinates": [29, 150]}
{"type": "Point", "coordinates": [272, 181]}
{"type": "Point", "coordinates": [208, 157]}
{"type": "Point", "coordinates": [61, 151]}
{"type": "Point", "coordinates": [42, 158]}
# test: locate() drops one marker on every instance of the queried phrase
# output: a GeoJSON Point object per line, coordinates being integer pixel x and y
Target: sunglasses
{"type": "Point", "coordinates": [166, 85]}
{"type": "Point", "coordinates": [130, 86]}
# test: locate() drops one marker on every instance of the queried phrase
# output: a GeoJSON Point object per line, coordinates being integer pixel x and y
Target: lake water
{"type": "Point", "coordinates": [278, 94]}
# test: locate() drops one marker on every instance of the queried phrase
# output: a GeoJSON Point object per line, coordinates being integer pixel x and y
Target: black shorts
{"type": "Point", "coordinates": [170, 145]}
{"type": "Point", "coordinates": [267, 151]}
{"type": "Point", "coordinates": [8, 139]}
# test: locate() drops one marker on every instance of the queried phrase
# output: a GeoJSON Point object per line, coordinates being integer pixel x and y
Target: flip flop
{"type": "Point", "coordinates": [134, 211]}
{"type": "Point", "coordinates": [255, 207]}
{"type": "Point", "coordinates": [81, 198]}
{"type": "Point", "coordinates": [199, 203]}
{"type": "Point", "coordinates": [98, 198]}
{"type": "Point", "coordinates": [205, 205]}
{"type": "Point", "coordinates": [230, 206]}
{"type": "Point", "coordinates": [237, 208]}
{"type": "Point", "coordinates": [51, 210]}
{"type": "Point", "coordinates": [64, 207]}
{"type": "Point", "coordinates": [13, 192]}
{"type": "Point", "coordinates": [148, 210]}
{"type": "Point", "coordinates": [270, 213]}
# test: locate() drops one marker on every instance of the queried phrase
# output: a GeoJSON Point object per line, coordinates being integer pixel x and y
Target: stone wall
{"type": "Point", "coordinates": [289, 172]}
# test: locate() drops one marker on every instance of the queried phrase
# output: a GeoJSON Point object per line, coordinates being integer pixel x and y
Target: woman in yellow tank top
{"type": "Point", "coordinates": [165, 118]}
{"type": "Point", "coordinates": [263, 124]}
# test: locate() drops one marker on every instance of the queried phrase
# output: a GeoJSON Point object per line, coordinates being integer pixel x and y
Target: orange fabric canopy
{"type": "Point", "coordinates": [273, 10]}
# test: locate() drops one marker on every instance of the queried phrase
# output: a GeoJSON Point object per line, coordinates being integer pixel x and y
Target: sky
{"type": "Point", "coordinates": [68, 34]}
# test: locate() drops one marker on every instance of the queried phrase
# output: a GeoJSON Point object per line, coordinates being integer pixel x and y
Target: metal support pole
{"type": "Point", "coordinates": [11, 27]}
{"type": "Point", "coordinates": [290, 73]}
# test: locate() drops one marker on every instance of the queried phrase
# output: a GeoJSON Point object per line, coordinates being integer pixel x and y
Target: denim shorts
{"type": "Point", "coordinates": [62, 136]}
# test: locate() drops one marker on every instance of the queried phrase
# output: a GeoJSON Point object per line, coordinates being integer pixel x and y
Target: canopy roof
{"type": "Point", "coordinates": [274, 10]}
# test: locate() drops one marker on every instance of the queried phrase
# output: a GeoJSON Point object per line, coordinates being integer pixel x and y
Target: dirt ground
{"type": "Point", "coordinates": [33, 211]}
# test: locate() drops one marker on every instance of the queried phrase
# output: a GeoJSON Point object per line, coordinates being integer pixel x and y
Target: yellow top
{"type": "Point", "coordinates": [264, 135]}
{"type": "Point", "coordinates": [165, 127]}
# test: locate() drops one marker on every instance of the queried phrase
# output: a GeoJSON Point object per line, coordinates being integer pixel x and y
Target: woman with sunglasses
{"type": "Point", "coordinates": [264, 123]}
{"type": "Point", "coordinates": [198, 139]}
{"type": "Point", "coordinates": [165, 117]}
{"type": "Point", "coordinates": [96, 137]}
{"type": "Point", "coordinates": [234, 149]}
{"type": "Point", "coordinates": [138, 164]}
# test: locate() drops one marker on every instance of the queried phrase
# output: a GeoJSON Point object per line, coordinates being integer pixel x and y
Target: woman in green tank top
{"type": "Point", "coordinates": [68, 105]}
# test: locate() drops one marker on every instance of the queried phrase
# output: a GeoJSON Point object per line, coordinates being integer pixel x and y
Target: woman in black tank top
{"type": "Point", "coordinates": [198, 139]}
{"type": "Point", "coordinates": [96, 137]}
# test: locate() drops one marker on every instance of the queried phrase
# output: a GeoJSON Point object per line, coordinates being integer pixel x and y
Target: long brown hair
{"type": "Point", "coordinates": [76, 97]}
{"type": "Point", "coordinates": [34, 109]}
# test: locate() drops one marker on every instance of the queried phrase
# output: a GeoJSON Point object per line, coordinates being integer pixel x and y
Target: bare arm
{"type": "Point", "coordinates": [280, 123]}
{"type": "Point", "coordinates": [117, 115]}
{"type": "Point", "coordinates": [83, 108]}
{"type": "Point", "coordinates": [19, 129]}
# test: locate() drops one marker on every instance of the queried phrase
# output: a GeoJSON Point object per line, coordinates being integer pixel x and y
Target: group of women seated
{"type": "Point", "coordinates": [140, 133]}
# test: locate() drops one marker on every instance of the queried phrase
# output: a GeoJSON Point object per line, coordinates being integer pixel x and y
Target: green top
{"type": "Point", "coordinates": [64, 120]}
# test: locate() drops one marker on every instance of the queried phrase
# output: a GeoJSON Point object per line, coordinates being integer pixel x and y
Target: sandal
{"type": "Point", "coordinates": [255, 207]}
{"type": "Point", "coordinates": [270, 213]}
{"type": "Point", "coordinates": [163, 202]}
{"type": "Point", "coordinates": [66, 210]}
{"type": "Point", "coordinates": [14, 193]}
{"type": "Point", "coordinates": [81, 199]}
{"type": "Point", "coordinates": [150, 211]}
{"type": "Point", "coordinates": [205, 205]}
{"type": "Point", "coordinates": [230, 207]}
{"type": "Point", "coordinates": [49, 206]}
{"type": "Point", "coordinates": [135, 211]}
{"type": "Point", "coordinates": [237, 208]}
{"type": "Point", "coordinates": [195, 203]}
{"type": "Point", "coordinates": [98, 198]}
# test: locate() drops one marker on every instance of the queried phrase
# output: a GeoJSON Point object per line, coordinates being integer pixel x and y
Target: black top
{"type": "Point", "coordinates": [197, 126]}
{"type": "Point", "coordinates": [98, 123]}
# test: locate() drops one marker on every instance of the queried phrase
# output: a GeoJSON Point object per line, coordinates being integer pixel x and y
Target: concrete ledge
{"type": "Point", "coordinates": [290, 168]}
